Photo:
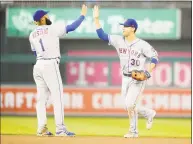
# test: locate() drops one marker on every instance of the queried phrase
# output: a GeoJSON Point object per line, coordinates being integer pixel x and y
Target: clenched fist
{"type": "Point", "coordinates": [84, 10]}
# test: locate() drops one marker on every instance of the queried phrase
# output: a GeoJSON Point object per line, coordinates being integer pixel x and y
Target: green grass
{"type": "Point", "coordinates": [99, 126]}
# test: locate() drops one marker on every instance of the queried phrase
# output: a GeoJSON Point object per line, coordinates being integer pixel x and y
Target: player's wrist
{"type": "Point", "coordinates": [82, 17]}
{"type": "Point", "coordinates": [82, 14]}
{"type": "Point", "coordinates": [147, 73]}
{"type": "Point", "coordinates": [149, 70]}
{"type": "Point", "coordinates": [96, 21]}
{"type": "Point", "coordinates": [96, 18]}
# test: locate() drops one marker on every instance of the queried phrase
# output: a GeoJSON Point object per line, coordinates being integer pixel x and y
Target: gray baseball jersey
{"type": "Point", "coordinates": [132, 55]}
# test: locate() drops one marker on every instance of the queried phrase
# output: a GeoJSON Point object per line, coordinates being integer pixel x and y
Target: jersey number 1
{"type": "Point", "coordinates": [41, 43]}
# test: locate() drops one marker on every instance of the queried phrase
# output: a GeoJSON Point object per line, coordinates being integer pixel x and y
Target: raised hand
{"type": "Point", "coordinates": [84, 10]}
{"type": "Point", "coordinates": [96, 12]}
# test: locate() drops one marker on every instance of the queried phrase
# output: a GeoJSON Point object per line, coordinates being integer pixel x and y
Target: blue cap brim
{"type": "Point", "coordinates": [46, 12]}
{"type": "Point", "coordinates": [123, 24]}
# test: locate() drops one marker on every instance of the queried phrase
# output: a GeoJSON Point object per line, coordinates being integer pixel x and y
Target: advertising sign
{"type": "Point", "coordinates": [167, 74]}
{"type": "Point", "coordinates": [150, 21]}
{"type": "Point", "coordinates": [97, 101]}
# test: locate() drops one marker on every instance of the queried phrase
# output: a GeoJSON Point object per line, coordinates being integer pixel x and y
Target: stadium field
{"type": "Point", "coordinates": [17, 130]}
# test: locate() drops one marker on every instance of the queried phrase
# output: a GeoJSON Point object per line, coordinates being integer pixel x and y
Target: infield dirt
{"type": "Point", "coordinates": [26, 139]}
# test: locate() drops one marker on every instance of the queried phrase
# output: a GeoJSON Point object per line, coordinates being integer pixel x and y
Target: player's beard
{"type": "Point", "coordinates": [48, 22]}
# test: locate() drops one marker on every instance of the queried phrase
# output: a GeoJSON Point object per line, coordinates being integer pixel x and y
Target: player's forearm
{"type": "Point", "coordinates": [75, 24]}
{"type": "Point", "coordinates": [151, 67]}
{"type": "Point", "coordinates": [101, 34]}
{"type": "Point", "coordinates": [97, 23]}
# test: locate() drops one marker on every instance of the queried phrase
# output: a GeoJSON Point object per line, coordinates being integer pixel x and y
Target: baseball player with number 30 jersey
{"type": "Point", "coordinates": [44, 40]}
{"type": "Point", "coordinates": [133, 53]}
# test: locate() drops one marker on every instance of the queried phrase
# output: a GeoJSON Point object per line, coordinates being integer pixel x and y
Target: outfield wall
{"type": "Point", "coordinates": [84, 101]}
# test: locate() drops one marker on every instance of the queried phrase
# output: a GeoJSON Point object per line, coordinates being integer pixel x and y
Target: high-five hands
{"type": "Point", "coordinates": [84, 10]}
{"type": "Point", "coordinates": [96, 12]}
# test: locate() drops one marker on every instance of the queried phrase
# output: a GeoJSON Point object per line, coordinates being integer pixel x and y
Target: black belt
{"type": "Point", "coordinates": [127, 74]}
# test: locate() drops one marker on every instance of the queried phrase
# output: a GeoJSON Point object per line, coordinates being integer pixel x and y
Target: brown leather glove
{"type": "Point", "coordinates": [140, 75]}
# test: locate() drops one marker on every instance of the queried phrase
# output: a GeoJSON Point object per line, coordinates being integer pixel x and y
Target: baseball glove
{"type": "Point", "coordinates": [140, 75]}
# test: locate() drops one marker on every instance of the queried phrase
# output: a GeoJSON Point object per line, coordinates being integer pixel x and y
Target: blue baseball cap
{"type": "Point", "coordinates": [39, 14]}
{"type": "Point", "coordinates": [130, 23]}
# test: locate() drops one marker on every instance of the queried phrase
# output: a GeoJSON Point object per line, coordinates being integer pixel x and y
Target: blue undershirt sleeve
{"type": "Point", "coordinates": [154, 60]}
{"type": "Point", "coordinates": [75, 24]}
{"type": "Point", "coordinates": [102, 35]}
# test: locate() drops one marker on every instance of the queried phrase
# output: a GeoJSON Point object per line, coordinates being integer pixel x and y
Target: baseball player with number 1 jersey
{"type": "Point", "coordinates": [133, 53]}
{"type": "Point", "coordinates": [44, 40]}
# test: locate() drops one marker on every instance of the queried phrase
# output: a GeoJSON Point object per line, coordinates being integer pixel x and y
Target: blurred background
{"type": "Point", "coordinates": [90, 67]}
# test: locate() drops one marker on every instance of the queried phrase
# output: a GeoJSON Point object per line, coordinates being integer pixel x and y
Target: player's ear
{"type": "Point", "coordinates": [42, 21]}
{"type": "Point", "coordinates": [134, 30]}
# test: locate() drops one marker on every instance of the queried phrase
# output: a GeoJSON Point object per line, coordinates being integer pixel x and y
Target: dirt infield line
{"type": "Point", "coordinates": [20, 139]}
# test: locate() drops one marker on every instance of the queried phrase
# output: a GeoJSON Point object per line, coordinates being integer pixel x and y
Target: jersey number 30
{"type": "Point", "coordinates": [41, 43]}
{"type": "Point", "coordinates": [135, 62]}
